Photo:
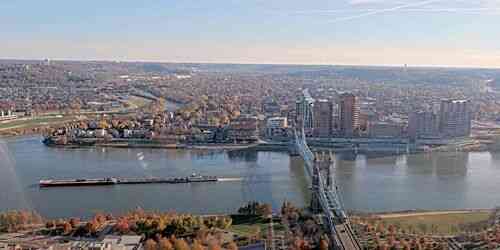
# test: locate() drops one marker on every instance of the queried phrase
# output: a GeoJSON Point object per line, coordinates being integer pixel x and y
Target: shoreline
{"type": "Point", "coordinates": [231, 146]}
{"type": "Point", "coordinates": [430, 212]}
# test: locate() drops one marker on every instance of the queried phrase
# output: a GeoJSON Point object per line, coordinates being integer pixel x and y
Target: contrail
{"type": "Point", "coordinates": [432, 10]}
{"type": "Point", "coordinates": [375, 12]}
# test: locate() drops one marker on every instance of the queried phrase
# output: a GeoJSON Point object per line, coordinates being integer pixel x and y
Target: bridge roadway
{"type": "Point", "coordinates": [342, 236]}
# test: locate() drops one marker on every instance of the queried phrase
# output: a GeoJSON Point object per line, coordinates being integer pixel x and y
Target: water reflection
{"type": "Point", "coordinates": [346, 155]}
{"type": "Point", "coordinates": [299, 176]}
{"type": "Point", "coordinates": [451, 164]}
{"type": "Point", "coordinates": [243, 155]}
{"type": "Point", "coordinates": [176, 154]}
{"type": "Point", "coordinates": [495, 158]}
{"type": "Point", "coordinates": [420, 164]}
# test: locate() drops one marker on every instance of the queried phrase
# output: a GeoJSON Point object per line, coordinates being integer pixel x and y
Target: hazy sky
{"type": "Point", "coordinates": [381, 32]}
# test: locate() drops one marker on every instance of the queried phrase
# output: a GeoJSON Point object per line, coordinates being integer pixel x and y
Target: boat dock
{"type": "Point", "coordinates": [117, 181]}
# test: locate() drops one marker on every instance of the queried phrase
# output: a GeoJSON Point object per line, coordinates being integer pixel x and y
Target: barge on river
{"type": "Point", "coordinates": [117, 181]}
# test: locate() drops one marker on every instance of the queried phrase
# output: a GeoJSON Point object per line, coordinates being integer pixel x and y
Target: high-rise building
{"type": "Point", "coordinates": [304, 110]}
{"type": "Point", "coordinates": [323, 118]}
{"type": "Point", "coordinates": [276, 126]}
{"type": "Point", "coordinates": [270, 106]}
{"type": "Point", "coordinates": [423, 124]}
{"type": "Point", "coordinates": [384, 130]}
{"type": "Point", "coordinates": [349, 114]}
{"type": "Point", "coordinates": [455, 118]}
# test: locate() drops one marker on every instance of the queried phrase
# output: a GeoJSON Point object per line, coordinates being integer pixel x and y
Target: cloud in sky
{"type": "Point", "coordinates": [363, 8]}
{"type": "Point", "coordinates": [383, 10]}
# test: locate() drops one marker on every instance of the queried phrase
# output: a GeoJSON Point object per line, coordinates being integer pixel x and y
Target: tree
{"type": "Point", "coordinates": [74, 222]}
{"type": "Point", "coordinates": [91, 227]}
{"type": "Point", "coordinates": [266, 210]}
{"type": "Point", "coordinates": [232, 246]}
{"type": "Point", "coordinates": [196, 245]}
{"type": "Point", "coordinates": [67, 228]}
{"type": "Point", "coordinates": [122, 226]}
{"type": "Point", "coordinates": [214, 245]}
{"type": "Point", "coordinates": [181, 244]}
{"type": "Point", "coordinates": [323, 245]}
{"type": "Point", "coordinates": [50, 224]}
{"type": "Point", "coordinates": [150, 244]}
{"type": "Point", "coordinates": [164, 244]}
{"type": "Point", "coordinates": [99, 218]}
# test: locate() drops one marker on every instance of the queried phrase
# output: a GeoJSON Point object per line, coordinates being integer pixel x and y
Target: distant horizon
{"type": "Point", "coordinates": [251, 63]}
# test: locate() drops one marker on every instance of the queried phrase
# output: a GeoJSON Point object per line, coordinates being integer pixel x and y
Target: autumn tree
{"type": "Point", "coordinates": [164, 244]}
{"type": "Point", "coordinates": [323, 244]}
{"type": "Point", "coordinates": [232, 246]}
{"type": "Point", "coordinates": [197, 245]}
{"type": "Point", "coordinates": [181, 244]}
{"type": "Point", "coordinates": [150, 244]}
{"type": "Point", "coordinates": [50, 224]}
{"type": "Point", "coordinates": [74, 222]}
{"type": "Point", "coordinates": [214, 245]}
{"type": "Point", "coordinates": [122, 226]}
{"type": "Point", "coordinates": [67, 228]}
{"type": "Point", "coordinates": [91, 227]}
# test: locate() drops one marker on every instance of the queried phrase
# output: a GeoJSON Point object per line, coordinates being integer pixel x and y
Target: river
{"type": "Point", "coordinates": [366, 182]}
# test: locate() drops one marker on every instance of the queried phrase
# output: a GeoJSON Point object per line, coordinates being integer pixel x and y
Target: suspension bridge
{"type": "Point", "coordinates": [325, 198]}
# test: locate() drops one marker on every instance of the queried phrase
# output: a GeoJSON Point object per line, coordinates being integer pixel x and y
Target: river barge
{"type": "Point", "coordinates": [117, 181]}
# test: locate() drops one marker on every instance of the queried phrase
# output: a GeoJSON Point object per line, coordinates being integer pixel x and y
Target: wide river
{"type": "Point", "coordinates": [366, 182]}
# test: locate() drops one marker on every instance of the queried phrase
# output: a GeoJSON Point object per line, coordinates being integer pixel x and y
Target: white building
{"type": "Point", "coordinates": [7, 115]}
{"type": "Point", "coordinates": [110, 242]}
{"type": "Point", "coordinates": [455, 118]}
{"type": "Point", "coordinates": [276, 126]}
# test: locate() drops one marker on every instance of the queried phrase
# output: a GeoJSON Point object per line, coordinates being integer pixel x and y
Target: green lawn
{"type": "Point", "coordinates": [35, 122]}
{"type": "Point", "coordinates": [441, 223]}
{"type": "Point", "coordinates": [138, 102]}
{"type": "Point", "coordinates": [246, 225]}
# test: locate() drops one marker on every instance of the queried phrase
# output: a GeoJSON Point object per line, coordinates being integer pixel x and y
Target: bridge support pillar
{"type": "Point", "coordinates": [292, 149]}
{"type": "Point", "coordinates": [315, 202]}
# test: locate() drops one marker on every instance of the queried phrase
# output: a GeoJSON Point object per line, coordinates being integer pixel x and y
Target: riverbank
{"type": "Point", "coordinates": [258, 146]}
{"type": "Point", "coordinates": [434, 222]}
{"type": "Point", "coordinates": [402, 214]}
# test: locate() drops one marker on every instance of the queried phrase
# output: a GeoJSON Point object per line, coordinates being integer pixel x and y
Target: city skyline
{"type": "Point", "coordinates": [351, 32]}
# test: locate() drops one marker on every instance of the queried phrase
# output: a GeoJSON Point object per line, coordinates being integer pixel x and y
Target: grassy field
{"type": "Point", "coordinates": [248, 225]}
{"type": "Point", "coordinates": [138, 102]}
{"type": "Point", "coordinates": [21, 123]}
{"type": "Point", "coordinates": [441, 223]}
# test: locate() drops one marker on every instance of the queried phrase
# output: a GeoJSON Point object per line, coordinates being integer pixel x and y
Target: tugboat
{"type": "Point", "coordinates": [52, 141]}
{"type": "Point", "coordinates": [200, 178]}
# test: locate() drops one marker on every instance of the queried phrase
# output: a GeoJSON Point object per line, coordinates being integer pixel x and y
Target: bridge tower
{"type": "Point", "coordinates": [329, 168]}
{"type": "Point", "coordinates": [315, 192]}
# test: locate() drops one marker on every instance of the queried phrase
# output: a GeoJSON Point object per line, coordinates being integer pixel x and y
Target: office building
{"type": "Point", "coordinates": [455, 118]}
{"type": "Point", "coordinates": [423, 125]}
{"type": "Point", "coordinates": [276, 126]}
{"type": "Point", "coordinates": [243, 129]}
{"type": "Point", "coordinates": [323, 118]}
{"type": "Point", "coordinates": [304, 110]}
{"type": "Point", "coordinates": [349, 115]}
{"type": "Point", "coordinates": [385, 130]}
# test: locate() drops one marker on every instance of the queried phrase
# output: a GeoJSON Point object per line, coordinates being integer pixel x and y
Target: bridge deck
{"type": "Point", "coordinates": [337, 221]}
{"type": "Point", "coordinates": [346, 237]}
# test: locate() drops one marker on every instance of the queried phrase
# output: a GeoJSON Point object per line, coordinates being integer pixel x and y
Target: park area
{"type": "Point", "coordinates": [443, 223]}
